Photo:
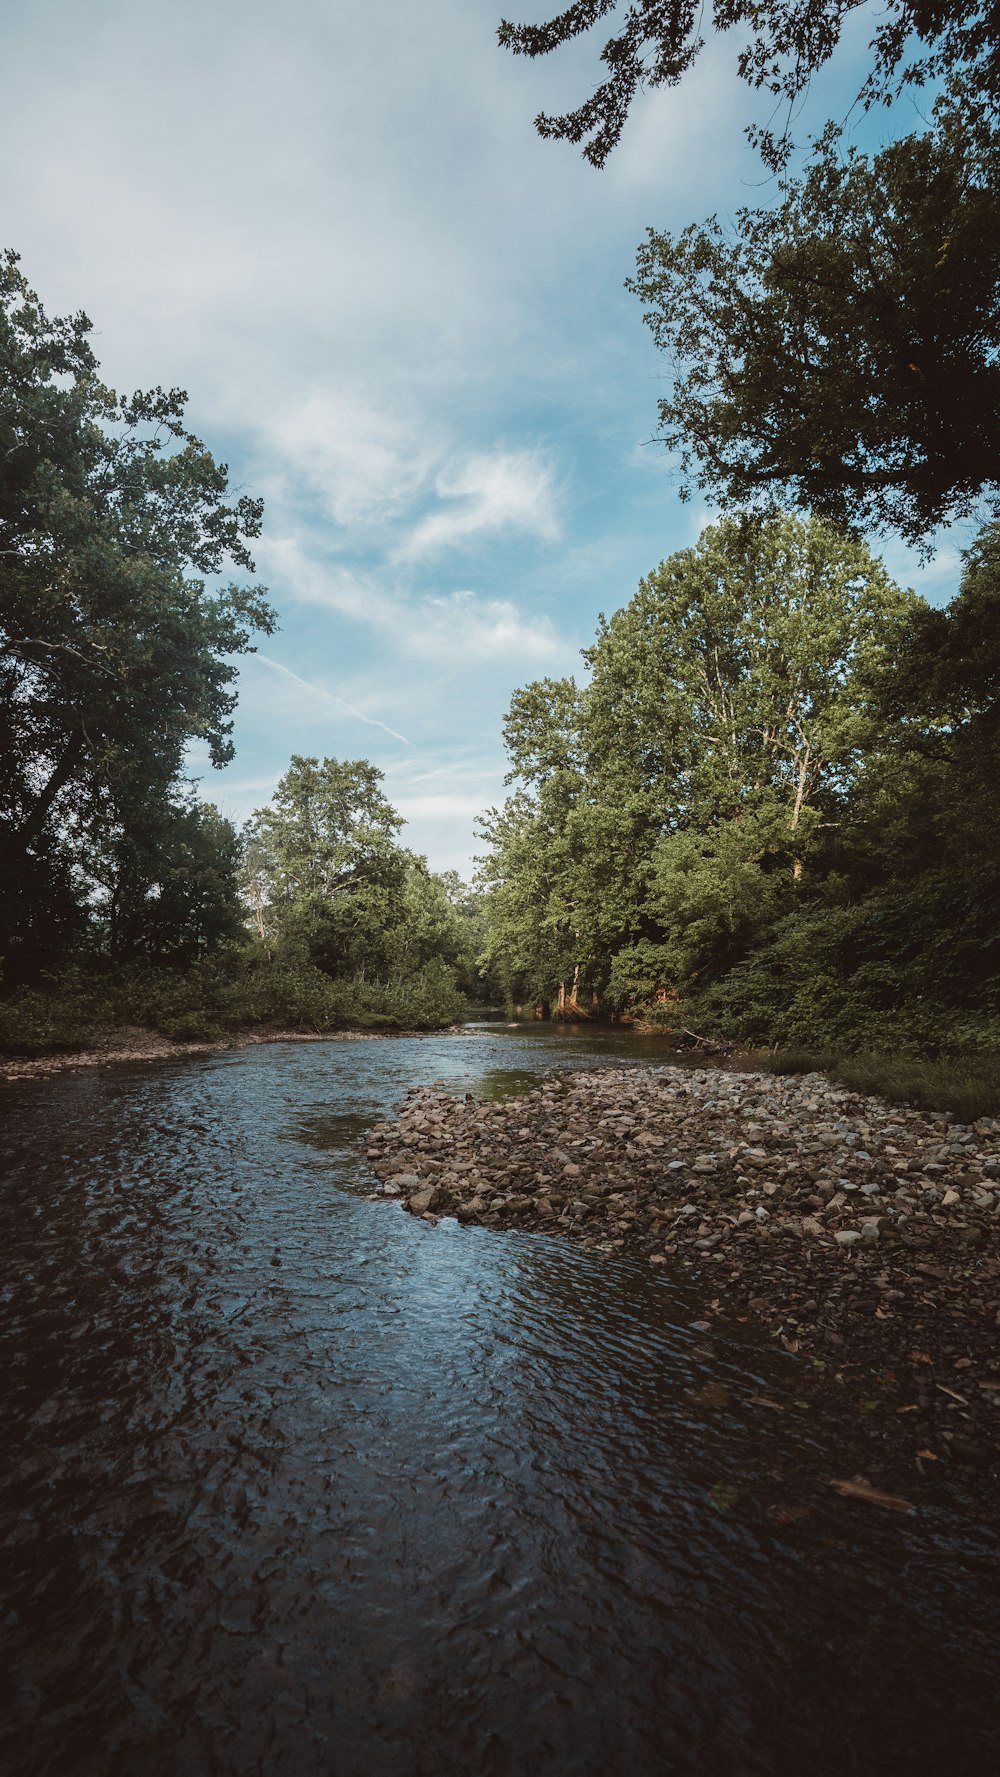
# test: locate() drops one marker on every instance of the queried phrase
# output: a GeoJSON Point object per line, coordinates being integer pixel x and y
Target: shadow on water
{"type": "Point", "coordinates": [296, 1483]}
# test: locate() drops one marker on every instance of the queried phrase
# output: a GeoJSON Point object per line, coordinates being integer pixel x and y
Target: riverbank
{"type": "Point", "coordinates": [134, 1044]}
{"type": "Point", "coordinates": [864, 1236]}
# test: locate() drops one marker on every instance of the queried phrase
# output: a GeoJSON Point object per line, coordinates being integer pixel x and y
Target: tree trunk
{"type": "Point", "coordinates": [34, 820]}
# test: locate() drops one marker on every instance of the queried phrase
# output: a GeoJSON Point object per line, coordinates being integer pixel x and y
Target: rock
{"type": "Point", "coordinates": [764, 1171]}
{"type": "Point", "coordinates": [425, 1200]}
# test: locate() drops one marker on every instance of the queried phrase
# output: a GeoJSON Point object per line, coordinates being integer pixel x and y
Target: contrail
{"type": "Point", "coordinates": [331, 697]}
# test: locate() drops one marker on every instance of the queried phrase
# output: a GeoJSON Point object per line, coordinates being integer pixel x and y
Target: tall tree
{"type": "Point", "coordinates": [730, 678]}
{"type": "Point", "coordinates": [116, 639]}
{"type": "Point", "coordinates": [325, 873]}
{"type": "Point", "coordinates": [665, 811]}
{"type": "Point", "coordinates": [843, 348]}
{"type": "Point", "coordinates": [167, 890]}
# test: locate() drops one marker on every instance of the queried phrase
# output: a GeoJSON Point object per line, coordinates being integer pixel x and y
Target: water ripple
{"type": "Point", "coordinates": [295, 1483]}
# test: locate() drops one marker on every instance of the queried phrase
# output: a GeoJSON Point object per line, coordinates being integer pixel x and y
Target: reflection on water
{"type": "Point", "coordinates": [295, 1483]}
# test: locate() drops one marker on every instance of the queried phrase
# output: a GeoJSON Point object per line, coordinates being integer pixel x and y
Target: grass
{"type": "Point", "coordinates": [967, 1086]}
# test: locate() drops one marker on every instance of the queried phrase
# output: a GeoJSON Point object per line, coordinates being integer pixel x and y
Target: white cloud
{"type": "Point", "coordinates": [458, 624]}
{"type": "Point", "coordinates": [364, 464]}
{"type": "Point", "coordinates": [293, 573]}
{"type": "Point", "coordinates": [446, 628]}
{"type": "Point", "coordinates": [507, 490]}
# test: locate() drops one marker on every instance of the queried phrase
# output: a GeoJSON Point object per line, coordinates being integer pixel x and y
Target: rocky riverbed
{"type": "Point", "coordinates": [862, 1235]}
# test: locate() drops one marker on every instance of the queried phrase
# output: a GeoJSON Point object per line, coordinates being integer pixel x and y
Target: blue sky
{"type": "Point", "coordinates": [401, 318]}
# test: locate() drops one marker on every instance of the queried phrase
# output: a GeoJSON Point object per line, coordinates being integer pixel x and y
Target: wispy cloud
{"type": "Point", "coordinates": [367, 466]}
{"type": "Point", "coordinates": [330, 697]}
{"type": "Point", "coordinates": [294, 573]}
{"type": "Point", "coordinates": [461, 625]}
{"type": "Point", "coordinates": [506, 490]}
{"type": "Point", "coordinates": [445, 627]}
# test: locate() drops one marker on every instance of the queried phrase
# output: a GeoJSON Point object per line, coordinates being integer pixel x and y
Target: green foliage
{"type": "Point", "coordinates": [782, 44]}
{"type": "Point", "coordinates": [770, 814]}
{"type": "Point", "coordinates": [966, 1086]}
{"type": "Point", "coordinates": [637, 972]}
{"type": "Point", "coordinates": [331, 889]}
{"type": "Point", "coordinates": [671, 806]}
{"type": "Point", "coordinates": [324, 872]}
{"type": "Point", "coordinates": [715, 895]}
{"type": "Point", "coordinates": [842, 347]}
{"type": "Point", "coordinates": [234, 992]}
{"type": "Point", "coordinates": [117, 643]}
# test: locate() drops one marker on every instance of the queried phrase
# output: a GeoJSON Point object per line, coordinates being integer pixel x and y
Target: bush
{"type": "Point", "coordinates": [232, 991]}
{"type": "Point", "coordinates": [869, 978]}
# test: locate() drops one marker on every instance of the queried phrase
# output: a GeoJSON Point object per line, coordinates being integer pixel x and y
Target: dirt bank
{"type": "Point", "coordinates": [135, 1044]}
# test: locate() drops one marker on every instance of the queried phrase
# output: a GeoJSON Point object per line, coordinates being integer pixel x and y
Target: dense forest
{"type": "Point", "coordinates": [766, 810]}
{"type": "Point", "coordinates": [769, 809]}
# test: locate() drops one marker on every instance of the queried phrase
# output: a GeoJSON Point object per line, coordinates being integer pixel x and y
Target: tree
{"type": "Point", "coordinates": [543, 920]}
{"type": "Point", "coordinates": [168, 890]}
{"type": "Point", "coordinates": [842, 348]}
{"type": "Point", "coordinates": [788, 42]}
{"type": "Point", "coordinates": [431, 921]}
{"type": "Point", "coordinates": [325, 874]}
{"type": "Point", "coordinates": [116, 640]}
{"type": "Point", "coordinates": [668, 811]}
{"type": "Point", "coordinates": [731, 678]}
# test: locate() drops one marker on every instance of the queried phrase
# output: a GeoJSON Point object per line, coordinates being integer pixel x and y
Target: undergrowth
{"type": "Point", "coordinates": [222, 996]}
{"type": "Point", "coordinates": [967, 1086]}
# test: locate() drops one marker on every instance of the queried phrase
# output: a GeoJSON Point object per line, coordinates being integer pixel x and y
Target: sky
{"type": "Point", "coordinates": [400, 317]}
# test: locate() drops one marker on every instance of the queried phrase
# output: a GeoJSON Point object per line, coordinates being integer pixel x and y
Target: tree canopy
{"type": "Point", "coordinates": [327, 881]}
{"type": "Point", "coordinates": [324, 864]}
{"type": "Point", "coordinates": [117, 639]}
{"type": "Point", "coordinates": [783, 44]}
{"type": "Point", "coordinates": [843, 347]}
{"type": "Point", "coordinates": [768, 811]}
{"type": "Point", "coordinates": [664, 810]}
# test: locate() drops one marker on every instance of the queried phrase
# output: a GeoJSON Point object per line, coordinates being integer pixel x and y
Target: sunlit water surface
{"type": "Point", "coordinates": [294, 1483]}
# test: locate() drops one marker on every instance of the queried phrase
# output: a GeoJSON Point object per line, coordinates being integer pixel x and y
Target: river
{"type": "Point", "coordinates": [294, 1483]}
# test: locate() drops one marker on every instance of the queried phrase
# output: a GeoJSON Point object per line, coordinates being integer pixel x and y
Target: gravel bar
{"type": "Point", "coordinates": [862, 1235]}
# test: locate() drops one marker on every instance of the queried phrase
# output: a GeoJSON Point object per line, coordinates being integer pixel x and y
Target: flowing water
{"type": "Point", "coordinates": [295, 1483]}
